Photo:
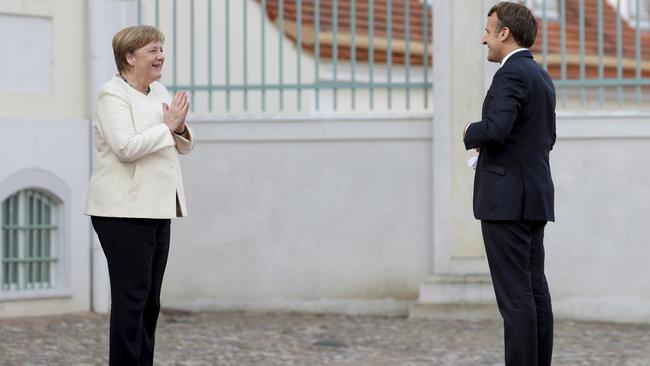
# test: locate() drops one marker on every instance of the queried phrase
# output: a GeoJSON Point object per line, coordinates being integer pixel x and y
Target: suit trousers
{"type": "Point", "coordinates": [515, 253]}
{"type": "Point", "coordinates": [136, 251]}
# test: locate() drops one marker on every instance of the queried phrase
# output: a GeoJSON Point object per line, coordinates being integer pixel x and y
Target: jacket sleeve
{"type": "Point", "coordinates": [115, 123]}
{"type": "Point", "coordinates": [185, 145]}
{"type": "Point", "coordinates": [504, 101]}
{"type": "Point", "coordinates": [554, 134]}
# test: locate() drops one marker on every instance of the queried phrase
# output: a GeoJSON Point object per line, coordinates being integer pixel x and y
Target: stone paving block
{"type": "Point", "coordinates": [243, 339]}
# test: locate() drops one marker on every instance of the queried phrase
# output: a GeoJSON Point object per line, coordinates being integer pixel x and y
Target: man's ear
{"type": "Point", "coordinates": [504, 33]}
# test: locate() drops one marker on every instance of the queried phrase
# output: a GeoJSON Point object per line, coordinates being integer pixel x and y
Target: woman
{"type": "Point", "coordinates": [136, 187]}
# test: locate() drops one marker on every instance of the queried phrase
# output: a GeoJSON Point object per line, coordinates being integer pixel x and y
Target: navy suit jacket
{"type": "Point", "coordinates": [516, 133]}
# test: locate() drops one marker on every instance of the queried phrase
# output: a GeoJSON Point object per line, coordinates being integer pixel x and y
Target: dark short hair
{"type": "Point", "coordinates": [518, 19]}
{"type": "Point", "coordinates": [130, 39]}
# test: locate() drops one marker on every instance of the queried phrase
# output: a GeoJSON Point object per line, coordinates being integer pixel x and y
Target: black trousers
{"type": "Point", "coordinates": [136, 251]}
{"type": "Point", "coordinates": [515, 252]}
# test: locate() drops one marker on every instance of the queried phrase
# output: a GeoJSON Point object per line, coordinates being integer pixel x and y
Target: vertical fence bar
{"type": "Point", "coordinates": [19, 237]}
{"type": "Point", "coordinates": [263, 63]}
{"type": "Point", "coordinates": [139, 5]}
{"type": "Point", "coordinates": [280, 51]}
{"type": "Point", "coordinates": [33, 235]}
{"type": "Point", "coordinates": [563, 27]}
{"type": "Point", "coordinates": [425, 59]}
{"type": "Point", "coordinates": [43, 256]}
{"type": "Point", "coordinates": [13, 221]}
{"type": "Point", "coordinates": [6, 234]}
{"type": "Point", "coordinates": [175, 52]}
{"type": "Point", "coordinates": [47, 243]}
{"type": "Point", "coordinates": [407, 53]}
{"type": "Point", "coordinates": [581, 15]}
{"type": "Point", "coordinates": [637, 36]}
{"type": "Point", "coordinates": [45, 231]}
{"type": "Point", "coordinates": [335, 49]}
{"type": "Point", "coordinates": [619, 53]}
{"type": "Point", "coordinates": [371, 51]}
{"type": "Point", "coordinates": [545, 35]}
{"type": "Point", "coordinates": [227, 54]}
{"type": "Point", "coordinates": [299, 53]}
{"type": "Point", "coordinates": [40, 222]}
{"type": "Point", "coordinates": [389, 51]}
{"type": "Point", "coordinates": [317, 52]}
{"type": "Point", "coordinates": [22, 241]}
{"type": "Point", "coordinates": [5, 243]}
{"type": "Point", "coordinates": [245, 33]}
{"type": "Point", "coordinates": [24, 244]}
{"type": "Point", "coordinates": [13, 238]}
{"type": "Point", "coordinates": [40, 250]}
{"type": "Point", "coordinates": [353, 49]}
{"type": "Point", "coordinates": [26, 227]}
{"type": "Point", "coordinates": [157, 13]}
{"type": "Point", "coordinates": [601, 54]}
{"type": "Point", "coordinates": [38, 255]}
{"type": "Point", "coordinates": [210, 54]}
{"type": "Point", "coordinates": [192, 54]}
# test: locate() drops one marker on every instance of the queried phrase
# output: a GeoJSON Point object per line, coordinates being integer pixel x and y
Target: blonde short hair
{"type": "Point", "coordinates": [130, 39]}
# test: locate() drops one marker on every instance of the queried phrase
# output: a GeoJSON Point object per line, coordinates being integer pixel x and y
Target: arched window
{"type": "Point", "coordinates": [29, 241]}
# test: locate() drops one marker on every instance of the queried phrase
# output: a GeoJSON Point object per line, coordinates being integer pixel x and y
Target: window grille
{"type": "Point", "coordinates": [28, 241]}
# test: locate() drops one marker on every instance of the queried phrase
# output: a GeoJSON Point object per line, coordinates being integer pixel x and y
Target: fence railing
{"type": "Point", "coordinates": [296, 55]}
{"type": "Point", "coordinates": [375, 55]}
{"type": "Point", "coordinates": [595, 51]}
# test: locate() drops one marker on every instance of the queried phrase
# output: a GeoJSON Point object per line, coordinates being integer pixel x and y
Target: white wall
{"type": "Point", "coordinates": [63, 56]}
{"type": "Point", "coordinates": [304, 214]}
{"type": "Point", "coordinates": [59, 149]}
{"type": "Point", "coordinates": [44, 118]}
{"type": "Point", "coordinates": [325, 215]}
{"type": "Point", "coordinates": [597, 251]}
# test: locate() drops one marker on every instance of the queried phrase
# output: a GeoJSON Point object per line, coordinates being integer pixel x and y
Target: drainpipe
{"type": "Point", "coordinates": [99, 283]}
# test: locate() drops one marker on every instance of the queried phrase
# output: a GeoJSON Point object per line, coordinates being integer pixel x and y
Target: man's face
{"type": "Point", "coordinates": [493, 39]}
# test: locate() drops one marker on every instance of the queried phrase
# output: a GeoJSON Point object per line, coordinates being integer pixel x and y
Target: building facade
{"type": "Point", "coordinates": [299, 198]}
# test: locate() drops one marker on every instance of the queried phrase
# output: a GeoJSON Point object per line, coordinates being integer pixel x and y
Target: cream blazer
{"type": "Point", "coordinates": [136, 172]}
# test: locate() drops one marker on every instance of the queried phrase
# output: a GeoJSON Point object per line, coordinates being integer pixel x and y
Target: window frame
{"type": "Point", "coordinates": [40, 180]}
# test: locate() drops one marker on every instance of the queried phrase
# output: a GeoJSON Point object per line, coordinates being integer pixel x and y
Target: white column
{"type": "Point", "coordinates": [105, 18]}
{"type": "Point", "coordinates": [98, 58]}
{"type": "Point", "coordinates": [459, 278]}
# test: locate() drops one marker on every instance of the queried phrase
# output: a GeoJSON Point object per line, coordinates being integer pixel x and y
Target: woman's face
{"type": "Point", "coordinates": [147, 61]}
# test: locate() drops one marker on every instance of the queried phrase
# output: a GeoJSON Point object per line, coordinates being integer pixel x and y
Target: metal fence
{"type": "Point", "coordinates": [375, 55]}
{"type": "Point", "coordinates": [595, 51]}
{"type": "Point", "coordinates": [296, 55]}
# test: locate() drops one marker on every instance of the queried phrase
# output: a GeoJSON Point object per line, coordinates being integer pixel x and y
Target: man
{"type": "Point", "coordinates": [513, 189]}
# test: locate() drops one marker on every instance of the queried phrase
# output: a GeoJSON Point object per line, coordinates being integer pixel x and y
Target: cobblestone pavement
{"type": "Point", "coordinates": [197, 339]}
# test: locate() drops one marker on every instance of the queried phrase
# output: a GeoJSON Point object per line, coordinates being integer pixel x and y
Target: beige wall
{"type": "Point", "coordinates": [43, 101]}
{"type": "Point", "coordinates": [68, 94]}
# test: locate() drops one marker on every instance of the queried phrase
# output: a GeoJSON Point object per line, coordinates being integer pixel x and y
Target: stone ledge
{"type": "Point", "coordinates": [456, 296]}
{"type": "Point", "coordinates": [456, 288]}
